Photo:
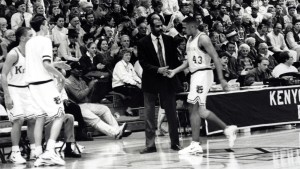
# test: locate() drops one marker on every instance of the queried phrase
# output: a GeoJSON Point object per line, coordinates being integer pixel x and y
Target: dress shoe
{"type": "Point", "coordinates": [127, 133]}
{"type": "Point", "coordinates": [72, 154]}
{"type": "Point", "coordinates": [175, 147]}
{"type": "Point", "coordinates": [148, 150]}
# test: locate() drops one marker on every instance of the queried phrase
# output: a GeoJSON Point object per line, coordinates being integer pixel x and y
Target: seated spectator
{"type": "Point", "coordinates": [105, 57]}
{"type": "Point", "coordinates": [7, 41]}
{"type": "Point", "coordinates": [288, 19]}
{"type": "Point", "coordinates": [245, 63]}
{"type": "Point", "coordinates": [232, 61]}
{"type": "Point", "coordinates": [141, 30]}
{"type": "Point", "coordinates": [257, 75]}
{"type": "Point", "coordinates": [261, 34]}
{"type": "Point", "coordinates": [93, 69]}
{"type": "Point", "coordinates": [125, 44]}
{"type": "Point", "coordinates": [38, 8]}
{"type": "Point", "coordinates": [95, 115]}
{"type": "Point", "coordinates": [86, 61]}
{"type": "Point", "coordinates": [227, 72]}
{"type": "Point", "coordinates": [264, 52]}
{"type": "Point", "coordinates": [292, 38]}
{"type": "Point", "coordinates": [53, 12]}
{"type": "Point", "coordinates": [276, 39]}
{"type": "Point", "coordinates": [21, 18]}
{"type": "Point", "coordinates": [233, 37]}
{"type": "Point", "coordinates": [218, 28]}
{"type": "Point", "coordinates": [253, 52]}
{"type": "Point", "coordinates": [69, 135]}
{"type": "Point", "coordinates": [59, 32]}
{"type": "Point", "coordinates": [69, 49]}
{"type": "Point", "coordinates": [87, 38]}
{"type": "Point", "coordinates": [75, 25]}
{"type": "Point", "coordinates": [286, 61]}
{"type": "Point", "coordinates": [3, 27]}
{"type": "Point", "coordinates": [90, 26]}
{"type": "Point", "coordinates": [126, 82]}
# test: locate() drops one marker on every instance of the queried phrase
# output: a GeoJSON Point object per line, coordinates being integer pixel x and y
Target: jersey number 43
{"type": "Point", "coordinates": [197, 60]}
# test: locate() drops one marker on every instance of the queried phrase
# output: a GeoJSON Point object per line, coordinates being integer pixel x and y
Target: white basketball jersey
{"type": "Point", "coordinates": [197, 58]}
{"type": "Point", "coordinates": [16, 76]}
{"type": "Point", "coordinates": [38, 49]}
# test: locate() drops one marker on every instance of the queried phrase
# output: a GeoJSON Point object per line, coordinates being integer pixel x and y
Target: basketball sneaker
{"type": "Point", "coordinates": [49, 158]}
{"type": "Point", "coordinates": [17, 158]}
{"type": "Point", "coordinates": [194, 148]}
{"type": "Point", "coordinates": [230, 133]}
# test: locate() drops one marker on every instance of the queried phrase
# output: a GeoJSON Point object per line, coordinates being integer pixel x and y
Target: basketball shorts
{"type": "Point", "coordinates": [23, 104]}
{"type": "Point", "coordinates": [201, 82]}
{"type": "Point", "coordinates": [47, 96]}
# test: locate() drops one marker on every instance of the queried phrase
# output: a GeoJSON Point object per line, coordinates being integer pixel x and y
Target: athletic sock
{"type": "Point", "coordinates": [38, 150]}
{"type": "Point", "coordinates": [50, 145]}
{"type": "Point", "coordinates": [68, 147]}
{"type": "Point", "coordinates": [15, 148]}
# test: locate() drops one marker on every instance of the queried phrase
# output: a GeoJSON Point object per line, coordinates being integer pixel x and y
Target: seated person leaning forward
{"type": "Point", "coordinates": [96, 115]}
{"type": "Point", "coordinates": [126, 82]}
{"type": "Point", "coordinates": [257, 75]}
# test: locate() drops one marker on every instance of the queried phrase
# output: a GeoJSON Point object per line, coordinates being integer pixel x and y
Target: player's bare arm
{"type": "Point", "coordinates": [183, 66]}
{"type": "Point", "coordinates": [208, 46]}
{"type": "Point", "coordinates": [9, 62]}
{"type": "Point", "coordinates": [51, 69]}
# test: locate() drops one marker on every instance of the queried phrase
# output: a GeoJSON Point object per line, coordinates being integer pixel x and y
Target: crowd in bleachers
{"type": "Point", "coordinates": [255, 39]}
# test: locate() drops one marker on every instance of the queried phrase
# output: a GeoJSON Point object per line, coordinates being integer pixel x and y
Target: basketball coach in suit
{"type": "Point", "coordinates": [156, 53]}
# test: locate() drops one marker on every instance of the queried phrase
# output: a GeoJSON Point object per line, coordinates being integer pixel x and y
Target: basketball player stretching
{"type": "Point", "coordinates": [200, 51]}
{"type": "Point", "coordinates": [40, 73]}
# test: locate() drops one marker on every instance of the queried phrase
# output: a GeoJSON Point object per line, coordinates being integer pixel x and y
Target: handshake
{"type": "Point", "coordinates": [165, 71]}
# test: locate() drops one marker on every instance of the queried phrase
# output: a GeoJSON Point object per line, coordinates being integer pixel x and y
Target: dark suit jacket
{"type": "Point", "coordinates": [151, 80]}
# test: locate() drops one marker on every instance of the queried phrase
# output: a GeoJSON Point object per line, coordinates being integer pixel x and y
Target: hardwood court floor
{"type": "Point", "coordinates": [263, 150]}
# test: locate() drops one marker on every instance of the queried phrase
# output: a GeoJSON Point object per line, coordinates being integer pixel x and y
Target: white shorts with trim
{"type": "Point", "coordinates": [23, 104]}
{"type": "Point", "coordinates": [46, 96]}
{"type": "Point", "coordinates": [201, 82]}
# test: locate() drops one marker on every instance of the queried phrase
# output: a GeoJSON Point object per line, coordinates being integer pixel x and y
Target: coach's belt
{"type": "Point", "coordinates": [41, 82]}
{"type": "Point", "coordinates": [202, 70]}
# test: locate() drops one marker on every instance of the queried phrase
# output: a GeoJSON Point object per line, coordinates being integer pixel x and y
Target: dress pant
{"type": "Point", "coordinates": [134, 94]}
{"type": "Point", "coordinates": [74, 109]}
{"type": "Point", "coordinates": [100, 117]}
{"type": "Point", "coordinates": [168, 102]}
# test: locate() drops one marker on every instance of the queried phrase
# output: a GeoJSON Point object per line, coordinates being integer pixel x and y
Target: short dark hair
{"type": "Point", "coordinates": [260, 59]}
{"type": "Point", "coordinates": [156, 3]}
{"type": "Point", "coordinates": [150, 19]}
{"type": "Point", "coordinates": [72, 17]}
{"type": "Point", "coordinates": [57, 17]}
{"type": "Point", "coordinates": [90, 44]}
{"type": "Point", "coordinates": [100, 42]}
{"type": "Point", "coordinates": [190, 20]}
{"type": "Point", "coordinates": [21, 31]}
{"type": "Point", "coordinates": [86, 37]}
{"type": "Point", "coordinates": [283, 57]}
{"type": "Point", "coordinates": [179, 40]}
{"type": "Point", "coordinates": [37, 21]}
{"type": "Point", "coordinates": [140, 20]}
{"type": "Point", "coordinates": [89, 13]}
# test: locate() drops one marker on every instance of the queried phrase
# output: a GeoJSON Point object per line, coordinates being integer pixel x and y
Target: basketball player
{"type": "Point", "coordinates": [18, 101]}
{"type": "Point", "coordinates": [40, 73]}
{"type": "Point", "coordinates": [200, 51]}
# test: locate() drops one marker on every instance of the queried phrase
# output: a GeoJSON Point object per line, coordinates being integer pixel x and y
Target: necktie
{"type": "Point", "coordinates": [160, 54]}
{"type": "Point", "coordinates": [24, 24]}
